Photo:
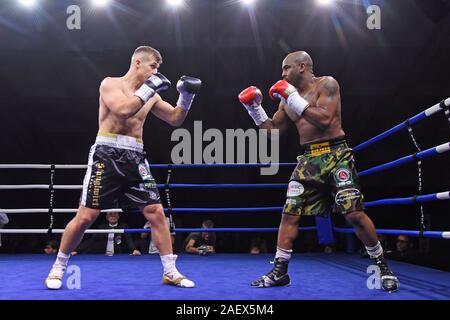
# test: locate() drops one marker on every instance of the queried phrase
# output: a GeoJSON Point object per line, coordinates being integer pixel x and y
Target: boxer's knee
{"type": "Point", "coordinates": [154, 212]}
{"type": "Point", "coordinates": [356, 218]}
{"type": "Point", "coordinates": [86, 217]}
{"type": "Point", "coordinates": [288, 220]}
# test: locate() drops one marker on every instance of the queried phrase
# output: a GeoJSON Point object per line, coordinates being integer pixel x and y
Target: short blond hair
{"type": "Point", "coordinates": [148, 50]}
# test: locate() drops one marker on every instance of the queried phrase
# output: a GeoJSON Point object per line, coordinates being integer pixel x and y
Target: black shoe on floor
{"type": "Point", "coordinates": [275, 278]}
{"type": "Point", "coordinates": [389, 281]}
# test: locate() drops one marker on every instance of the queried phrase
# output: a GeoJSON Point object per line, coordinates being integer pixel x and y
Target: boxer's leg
{"type": "Point", "coordinates": [142, 191]}
{"type": "Point", "coordinates": [349, 201]}
{"type": "Point", "coordinates": [70, 240]}
{"type": "Point", "coordinates": [365, 231]}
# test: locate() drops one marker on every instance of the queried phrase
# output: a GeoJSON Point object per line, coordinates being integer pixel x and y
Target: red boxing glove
{"type": "Point", "coordinates": [251, 96]}
{"type": "Point", "coordinates": [281, 89]}
{"type": "Point", "coordinates": [251, 99]}
{"type": "Point", "coordinates": [286, 92]}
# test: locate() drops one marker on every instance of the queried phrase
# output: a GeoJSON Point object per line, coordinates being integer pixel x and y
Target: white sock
{"type": "Point", "coordinates": [283, 254]}
{"type": "Point", "coordinates": [375, 251]}
{"type": "Point", "coordinates": [168, 262]}
{"type": "Point", "coordinates": [61, 260]}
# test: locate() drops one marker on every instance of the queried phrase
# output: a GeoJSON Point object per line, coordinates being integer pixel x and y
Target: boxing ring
{"type": "Point", "coordinates": [228, 276]}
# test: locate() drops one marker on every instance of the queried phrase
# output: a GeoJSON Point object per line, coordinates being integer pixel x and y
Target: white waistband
{"type": "Point", "coordinates": [121, 142]}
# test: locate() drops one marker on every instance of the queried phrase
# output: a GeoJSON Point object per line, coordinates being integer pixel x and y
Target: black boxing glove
{"type": "Point", "coordinates": [187, 87]}
{"type": "Point", "coordinates": [155, 83]}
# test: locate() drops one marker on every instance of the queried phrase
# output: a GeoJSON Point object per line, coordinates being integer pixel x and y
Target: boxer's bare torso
{"type": "Point", "coordinates": [322, 89]}
{"type": "Point", "coordinates": [112, 122]}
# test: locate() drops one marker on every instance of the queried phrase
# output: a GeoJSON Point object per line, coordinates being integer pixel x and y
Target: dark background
{"type": "Point", "coordinates": [49, 78]}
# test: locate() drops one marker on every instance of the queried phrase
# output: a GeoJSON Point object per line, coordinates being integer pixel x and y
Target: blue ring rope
{"type": "Point", "coordinates": [407, 159]}
{"type": "Point", "coordinates": [418, 117]}
{"type": "Point", "coordinates": [220, 230]}
{"type": "Point", "coordinates": [393, 201]}
{"type": "Point", "coordinates": [413, 233]}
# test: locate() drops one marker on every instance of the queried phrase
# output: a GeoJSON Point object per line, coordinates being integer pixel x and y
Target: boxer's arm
{"type": "Point", "coordinates": [116, 101]}
{"type": "Point", "coordinates": [323, 113]}
{"type": "Point", "coordinates": [280, 121]}
{"type": "Point", "coordinates": [165, 111]}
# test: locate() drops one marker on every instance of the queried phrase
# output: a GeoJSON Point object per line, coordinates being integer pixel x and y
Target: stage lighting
{"type": "Point", "coordinates": [325, 2]}
{"type": "Point", "coordinates": [175, 3]}
{"type": "Point", "coordinates": [100, 3]}
{"type": "Point", "coordinates": [248, 2]}
{"type": "Point", "coordinates": [28, 3]}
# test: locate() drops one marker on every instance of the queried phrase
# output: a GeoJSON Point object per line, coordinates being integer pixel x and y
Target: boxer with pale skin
{"type": "Point", "coordinates": [117, 164]}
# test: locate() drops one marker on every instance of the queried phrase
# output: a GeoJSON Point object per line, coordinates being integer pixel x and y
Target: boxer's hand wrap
{"type": "Point", "coordinates": [290, 96]}
{"type": "Point", "coordinates": [251, 99]}
{"type": "Point", "coordinates": [187, 87]}
{"type": "Point", "coordinates": [155, 83]}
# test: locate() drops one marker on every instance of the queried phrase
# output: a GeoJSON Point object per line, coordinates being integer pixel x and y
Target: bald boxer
{"type": "Point", "coordinates": [117, 164]}
{"type": "Point", "coordinates": [325, 174]}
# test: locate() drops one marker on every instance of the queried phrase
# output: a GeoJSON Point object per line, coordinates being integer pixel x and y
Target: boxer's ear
{"type": "Point", "coordinates": [302, 67]}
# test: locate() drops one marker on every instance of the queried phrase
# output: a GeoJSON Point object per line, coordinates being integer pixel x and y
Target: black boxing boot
{"type": "Point", "coordinates": [389, 281]}
{"type": "Point", "coordinates": [277, 277]}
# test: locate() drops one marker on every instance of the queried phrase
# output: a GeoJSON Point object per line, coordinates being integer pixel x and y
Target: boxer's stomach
{"type": "Point", "coordinates": [132, 126]}
{"type": "Point", "coordinates": [310, 133]}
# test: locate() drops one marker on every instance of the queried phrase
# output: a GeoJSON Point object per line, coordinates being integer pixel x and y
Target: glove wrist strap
{"type": "Point", "coordinates": [185, 100]}
{"type": "Point", "coordinates": [297, 104]}
{"type": "Point", "coordinates": [145, 93]}
{"type": "Point", "coordinates": [258, 114]}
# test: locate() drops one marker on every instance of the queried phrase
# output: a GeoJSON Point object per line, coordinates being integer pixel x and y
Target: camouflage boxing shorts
{"type": "Point", "coordinates": [325, 175]}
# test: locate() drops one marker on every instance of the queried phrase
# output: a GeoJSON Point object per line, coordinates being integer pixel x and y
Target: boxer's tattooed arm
{"type": "Point", "coordinates": [331, 87]}
{"type": "Point", "coordinates": [323, 113]}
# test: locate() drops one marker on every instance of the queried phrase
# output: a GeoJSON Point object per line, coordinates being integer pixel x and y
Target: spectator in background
{"type": "Point", "coordinates": [257, 246]}
{"type": "Point", "coordinates": [51, 247]}
{"type": "Point", "coordinates": [201, 243]}
{"type": "Point", "coordinates": [404, 250]}
{"type": "Point", "coordinates": [3, 222]}
{"type": "Point", "coordinates": [109, 243]}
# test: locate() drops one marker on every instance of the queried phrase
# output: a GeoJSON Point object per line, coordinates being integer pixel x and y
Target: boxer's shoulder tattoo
{"type": "Point", "coordinates": [331, 86]}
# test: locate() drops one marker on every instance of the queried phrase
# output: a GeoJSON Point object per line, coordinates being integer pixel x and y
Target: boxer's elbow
{"type": "Point", "coordinates": [177, 117]}
{"type": "Point", "coordinates": [127, 108]}
{"type": "Point", "coordinates": [323, 122]}
{"type": "Point", "coordinates": [121, 110]}
{"type": "Point", "coordinates": [177, 122]}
